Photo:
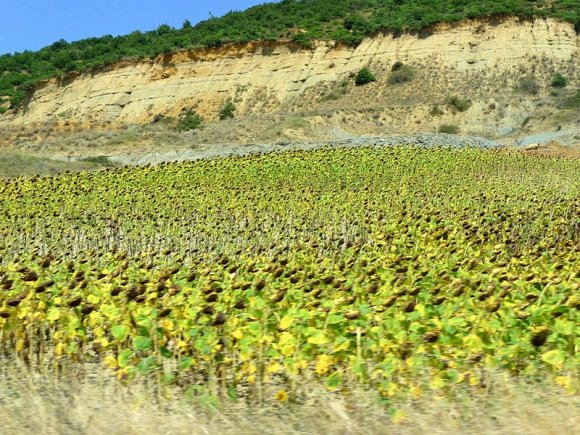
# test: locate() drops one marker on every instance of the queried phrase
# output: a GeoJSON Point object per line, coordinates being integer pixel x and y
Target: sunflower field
{"type": "Point", "coordinates": [401, 269]}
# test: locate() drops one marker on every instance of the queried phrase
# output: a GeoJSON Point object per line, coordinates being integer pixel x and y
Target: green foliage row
{"type": "Point", "coordinates": [346, 21]}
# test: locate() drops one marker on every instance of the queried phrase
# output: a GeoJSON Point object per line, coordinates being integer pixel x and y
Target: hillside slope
{"type": "Point", "coordinates": [344, 21]}
{"type": "Point", "coordinates": [484, 61]}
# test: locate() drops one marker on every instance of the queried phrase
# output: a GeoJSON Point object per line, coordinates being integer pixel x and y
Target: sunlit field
{"type": "Point", "coordinates": [397, 273]}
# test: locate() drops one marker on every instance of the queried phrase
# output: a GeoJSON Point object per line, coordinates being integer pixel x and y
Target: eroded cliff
{"type": "Point", "coordinates": [263, 78]}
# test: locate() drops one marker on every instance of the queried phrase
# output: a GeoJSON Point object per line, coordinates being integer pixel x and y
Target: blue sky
{"type": "Point", "coordinates": [33, 24]}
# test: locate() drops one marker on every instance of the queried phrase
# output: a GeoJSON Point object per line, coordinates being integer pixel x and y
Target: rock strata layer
{"type": "Point", "coordinates": [265, 77]}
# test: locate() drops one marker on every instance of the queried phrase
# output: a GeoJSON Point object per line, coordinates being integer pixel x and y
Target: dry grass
{"type": "Point", "coordinates": [551, 149]}
{"type": "Point", "coordinates": [89, 401]}
{"type": "Point", "coordinates": [15, 164]}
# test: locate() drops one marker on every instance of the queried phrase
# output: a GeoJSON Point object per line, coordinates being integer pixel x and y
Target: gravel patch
{"type": "Point", "coordinates": [425, 140]}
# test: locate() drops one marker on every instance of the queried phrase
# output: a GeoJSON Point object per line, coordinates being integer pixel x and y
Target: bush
{"type": "Point", "coordinates": [364, 76]}
{"type": "Point", "coordinates": [401, 74]}
{"type": "Point", "coordinates": [99, 160]}
{"type": "Point", "coordinates": [559, 81]}
{"type": "Point", "coordinates": [304, 40]}
{"type": "Point", "coordinates": [529, 85]}
{"type": "Point", "coordinates": [436, 111]}
{"type": "Point", "coordinates": [573, 102]}
{"type": "Point", "coordinates": [161, 118]}
{"type": "Point", "coordinates": [189, 120]}
{"type": "Point", "coordinates": [449, 129]}
{"type": "Point", "coordinates": [17, 99]}
{"type": "Point", "coordinates": [227, 111]}
{"type": "Point", "coordinates": [459, 104]}
{"type": "Point", "coordinates": [397, 66]}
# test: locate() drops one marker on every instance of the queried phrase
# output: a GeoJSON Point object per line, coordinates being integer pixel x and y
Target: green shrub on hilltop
{"type": "Point", "coordinates": [304, 40]}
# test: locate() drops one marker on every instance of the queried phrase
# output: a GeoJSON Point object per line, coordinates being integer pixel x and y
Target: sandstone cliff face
{"type": "Point", "coordinates": [263, 78]}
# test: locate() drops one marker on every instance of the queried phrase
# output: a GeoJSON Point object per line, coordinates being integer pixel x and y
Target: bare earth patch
{"type": "Point", "coordinates": [554, 149]}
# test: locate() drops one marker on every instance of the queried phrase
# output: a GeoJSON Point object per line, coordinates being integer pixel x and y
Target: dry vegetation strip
{"type": "Point", "coordinates": [88, 402]}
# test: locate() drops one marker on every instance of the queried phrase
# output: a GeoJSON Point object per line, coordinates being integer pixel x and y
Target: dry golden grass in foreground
{"type": "Point", "coordinates": [90, 401]}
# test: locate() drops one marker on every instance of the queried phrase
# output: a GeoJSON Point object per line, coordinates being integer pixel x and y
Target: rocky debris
{"type": "Point", "coordinates": [543, 138]}
{"type": "Point", "coordinates": [423, 140]}
{"type": "Point", "coordinates": [426, 140]}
